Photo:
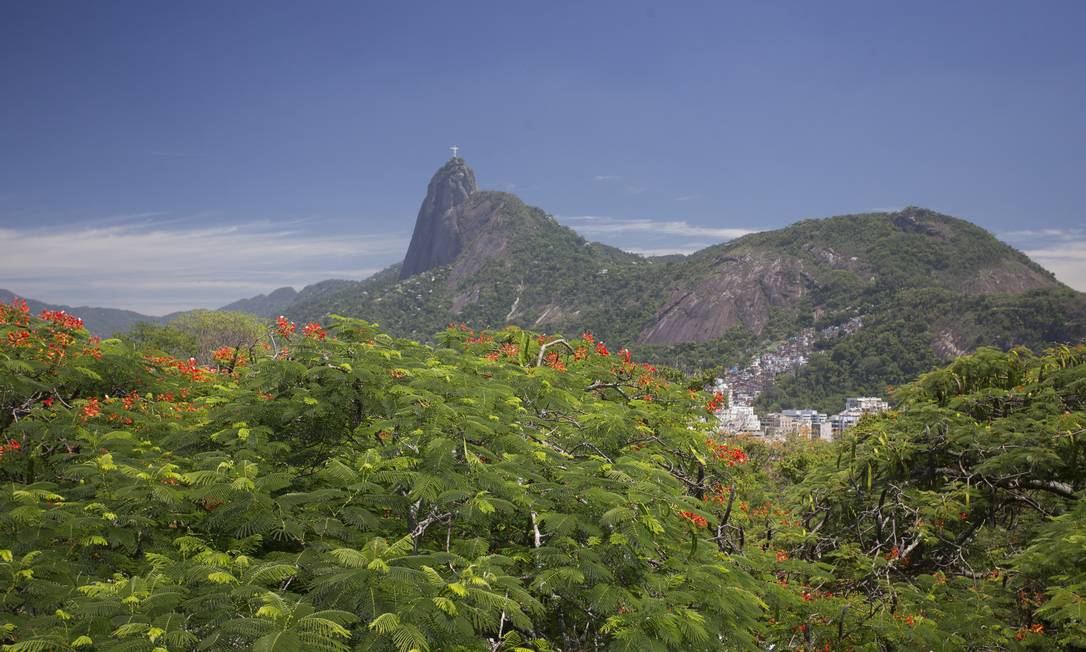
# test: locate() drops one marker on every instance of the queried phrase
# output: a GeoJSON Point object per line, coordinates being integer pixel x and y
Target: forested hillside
{"type": "Point", "coordinates": [98, 320]}
{"type": "Point", "coordinates": [927, 287]}
{"type": "Point", "coordinates": [333, 487]}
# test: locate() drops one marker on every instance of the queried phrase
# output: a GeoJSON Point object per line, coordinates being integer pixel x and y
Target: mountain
{"type": "Point", "coordinates": [439, 228]}
{"type": "Point", "coordinates": [925, 285]}
{"type": "Point", "coordinates": [265, 305]}
{"type": "Point", "coordinates": [99, 321]}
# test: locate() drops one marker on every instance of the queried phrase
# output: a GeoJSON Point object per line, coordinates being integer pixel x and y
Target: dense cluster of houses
{"type": "Point", "coordinates": [742, 385]}
{"type": "Point", "coordinates": [749, 381]}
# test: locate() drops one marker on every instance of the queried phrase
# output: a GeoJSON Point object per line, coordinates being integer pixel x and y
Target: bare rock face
{"type": "Point", "coordinates": [917, 220]}
{"type": "Point", "coordinates": [437, 240]}
{"type": "Point", "coordinates": [741, 290]}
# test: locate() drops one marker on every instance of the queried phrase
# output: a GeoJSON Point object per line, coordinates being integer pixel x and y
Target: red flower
{"type": "Point", "coordinates": [601, 349]}
{"type": "Point", "coordinates": [725, 453]}
{"type": "Point", "coordinates": [697, 520]}
{"type": "Point", "coordinates": [714, 404]}
{"type": "Point", "coordinates": [20, 338]}
{"type": "Point", "coordinates": [223, 354]}
{"type": "Point", "coordinates": [313, 331]}
{"type": "Point", "coordinates": [63, 319]}
{"type": "Point", "coordinates": [191, 370]}
{"type": "Point", "coordinates": [625, 355]}
{"type": "Point", "coordinates": [9, 447]}
{"type": "Point", "coordinates": [48, 401]}
{"type": "Point", "coordinates": [91, 409]}
{"type": "Point", "coordinates": [284, 326]}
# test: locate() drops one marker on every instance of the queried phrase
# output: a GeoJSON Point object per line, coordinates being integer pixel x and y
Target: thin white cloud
{"type": "Point", "coordinates": [1066, 261]}
{"type": "Point", "coordinates": [606, 177]}
{"type": "Point", "coordinates": [1045, 233]}
{"type": "Point", "coordinates": [667, 251]}
{"type": "Point", "coordinates": [595, 225]}
{"type": "Point", "coordinates": [158, 269]}
{"type": "Point", "coordinates": [687, 197]}
{"type": "Point", "coordinates": [1060, 250]}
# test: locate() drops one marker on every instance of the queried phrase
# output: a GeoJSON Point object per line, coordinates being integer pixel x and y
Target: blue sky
{"type": "Point", "coordinates": [160, 156]}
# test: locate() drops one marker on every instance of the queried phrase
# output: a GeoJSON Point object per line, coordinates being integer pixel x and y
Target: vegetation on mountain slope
{"type": "Point", "coordinates": [335, 488]}
{"type": "Point", "coordinates": [918, 330]}
{"type": "Point", "coordinates": [102, 321]}
{"type": "Point", "coordinates": [927, 286]}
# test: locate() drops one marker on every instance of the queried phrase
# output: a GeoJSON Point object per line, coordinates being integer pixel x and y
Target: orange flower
{"type": "Point", "coordinates": [313, 331]}
{"type": "Point", "coordinates": [555, 362]}
{"type": "Point", "coordinates": [697, 520]}
{"type": "Point", "coordinates": [284, 326]}
{"type": "Point", "coordinates": [91, 409]}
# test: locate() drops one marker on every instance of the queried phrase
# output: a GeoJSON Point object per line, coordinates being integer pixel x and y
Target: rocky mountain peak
{"type": "Point", "coordinates": [436, 240]}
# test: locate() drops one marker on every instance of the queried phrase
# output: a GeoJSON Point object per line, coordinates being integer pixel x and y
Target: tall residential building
{"type": "Point", "coordinates": [855, 409]}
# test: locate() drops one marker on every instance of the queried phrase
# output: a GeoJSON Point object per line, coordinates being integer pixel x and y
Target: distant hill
{"type": "Point", "coordinates": [265, 305]}
{"type": "Point", "coordinates": [279, 301]}
{"type": "Point", "coordinates": [99, 321]}
{"type": "Point", "coordinates": [109, 321]}
{"type": "Point", "coordinates": [487, 259]}
{"type": "Point", "coordinates": [926, 286]}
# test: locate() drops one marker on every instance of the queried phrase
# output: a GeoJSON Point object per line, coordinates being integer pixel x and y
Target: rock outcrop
{"type": "Point", "coordinates": [739, 291]}
{"type": "Point", "coordinates": [437, 239]}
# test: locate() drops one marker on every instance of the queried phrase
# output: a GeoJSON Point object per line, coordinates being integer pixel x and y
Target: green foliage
{"type": "Point", "coordinates": [963, 510]}
{"type": "Point", "coordinates": [214, 329]}
{"type": "Point", "coordinates": [510, 491]}
{"type": "Point", "coordinates": [198, 334]}
{"type": "Point", "coordinates": [160, 338]}
{"type": "Point", "coordinates": [361, 492]}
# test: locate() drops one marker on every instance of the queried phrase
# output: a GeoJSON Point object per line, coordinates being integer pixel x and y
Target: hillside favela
{"type": "Point", "coordinates": [495, 327]}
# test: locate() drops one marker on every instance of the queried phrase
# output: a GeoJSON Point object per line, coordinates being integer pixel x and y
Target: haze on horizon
{"type": "Point", "coordinates": [163, 157]}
